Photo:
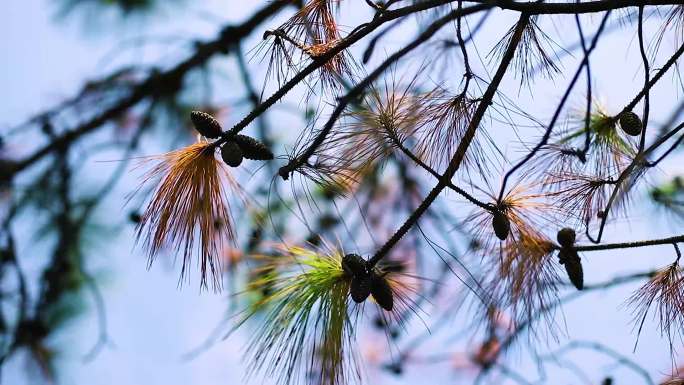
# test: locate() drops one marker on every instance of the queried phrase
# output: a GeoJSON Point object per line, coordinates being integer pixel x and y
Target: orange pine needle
{"type": "Point", "coordinates": [665, 290]}
{"type": "Point", "coordinates": [190, 197]}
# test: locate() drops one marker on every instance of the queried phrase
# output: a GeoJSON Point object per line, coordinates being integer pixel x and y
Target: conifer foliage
{"type": "Point", "coordinates": [433, 176]}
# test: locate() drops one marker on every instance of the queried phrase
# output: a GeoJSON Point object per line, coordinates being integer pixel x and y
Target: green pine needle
{"type": "Point", "coordinates": [307, 332]}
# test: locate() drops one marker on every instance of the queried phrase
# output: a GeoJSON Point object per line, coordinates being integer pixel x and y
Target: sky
{"type": "Point", "coordinates": [151, 322]}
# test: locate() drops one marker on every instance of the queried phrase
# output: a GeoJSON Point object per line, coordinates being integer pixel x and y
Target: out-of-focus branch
{"type": "Point", "coordinates": [598, 347]}
{"type": "Point", "coordinates": [160, 83]}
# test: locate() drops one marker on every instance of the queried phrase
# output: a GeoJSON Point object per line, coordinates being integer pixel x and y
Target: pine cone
{"type": "Point", "coordinates": [231, 154]}
{"type": "Point", "coordinates": [252, 148]}
{"type": "Point", "coordinates": [360, 288]}
{"type": "Point", "coordinates": [631, 123]}
{"type": "Point", "coordinates": [381, 291]}
{"type": "Point", "coordinates": [501, 224]}
{"type": "Point", "coordinates": [566, 237]}
{"type": "Point", "coordinates": [354, 265]}
{"type": "Point", "coordinates": [206, 124]}
{"type": "Point", "coordinates": [573, 266]}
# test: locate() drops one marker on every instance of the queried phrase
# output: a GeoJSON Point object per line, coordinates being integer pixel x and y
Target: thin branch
{"type": "Point", "coordinates": [556, 115]}
{"type": "Point", "coordinates": [623, 360]}
{"type": "Point", "coordinates": [317, 62]}
{"type": "Point", "coordinates": [587, 114]}
{"type": "Point", "coordinates": [458, 190]}
{"type": "Point", "coordinates": [538, 8]}
{"type": "Point", "coordinates": [647, 70]}
{"type": "Point", "coordinates": [456, 160]}
{"type": "Point", "coordinates": [627, 245]}
{"type": "Point", "coordinates": [358, 89]}
{"type": "Point", "coordinates": [640, 159]}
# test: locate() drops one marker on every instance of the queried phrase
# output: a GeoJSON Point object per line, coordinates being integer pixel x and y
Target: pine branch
{"type": "Point", "coordinates": [365, 83]}
{"type": "Point", "coordinates": [456, 160]}
{"type": "Point", "coordinates": [431, 171]}
{"type": "Point", "coordinates": [628, 245]}
{"type": "Point", "coordinates": [233, 34]}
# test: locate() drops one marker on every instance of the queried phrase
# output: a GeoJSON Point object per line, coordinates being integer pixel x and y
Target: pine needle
{"type": "Point", "coordinates": [307, 334]}
{"type": "Point", "coordinates": [189, 201]}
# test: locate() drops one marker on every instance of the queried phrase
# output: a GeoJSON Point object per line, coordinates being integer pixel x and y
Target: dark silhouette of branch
{"type": "Point", "coordinates": [559, 109]}
{"type": "Point", "coordinates": [358, 89]}
{"type": "Point", "coordinates": [463, 146]}
{"type": "Point", "coordinates": [159, 83]}
{"type": "Point", "coordinates": [627, 245]}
